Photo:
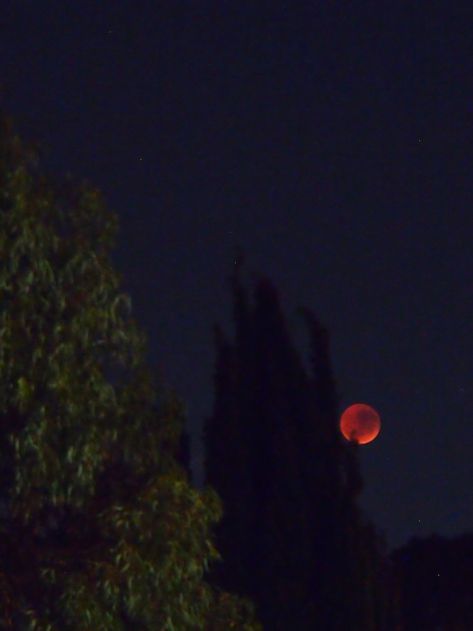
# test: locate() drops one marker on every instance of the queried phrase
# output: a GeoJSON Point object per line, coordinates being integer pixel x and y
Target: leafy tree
{"type": "Point", "coordinates": [100, 527]}
{"type": "Point", "coordinates": [292, 535]}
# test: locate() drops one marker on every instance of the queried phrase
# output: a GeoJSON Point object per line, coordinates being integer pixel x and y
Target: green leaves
{"type": "Point", "coordinates": [103, 528]}
{"type": "Point", "coordinates": [122, 301]}
{"type": "Point", "coordinates": [24, 393]}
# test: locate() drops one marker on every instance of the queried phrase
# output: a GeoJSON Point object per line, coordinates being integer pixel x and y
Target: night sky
{"type": "Point", "coordinates": [332, 142]}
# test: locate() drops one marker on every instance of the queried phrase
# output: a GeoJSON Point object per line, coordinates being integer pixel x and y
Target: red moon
{"type": "Point", "coordinates": [360, 423]}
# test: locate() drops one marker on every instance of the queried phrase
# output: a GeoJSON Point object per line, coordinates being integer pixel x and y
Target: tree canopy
{"type": "Point", "coordinates": [293, 537]}
{"type": "Point", "coordinates": [100, 526]}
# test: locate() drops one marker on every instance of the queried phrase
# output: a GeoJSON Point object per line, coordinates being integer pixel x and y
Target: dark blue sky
{"type": "Point", "coordinates": [334, 145]}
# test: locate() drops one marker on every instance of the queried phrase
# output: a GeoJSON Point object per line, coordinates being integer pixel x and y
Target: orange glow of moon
{"type": "Point", "coordinates": [360, 423]}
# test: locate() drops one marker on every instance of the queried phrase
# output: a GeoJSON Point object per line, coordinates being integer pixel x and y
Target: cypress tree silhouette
{"type": "Point", "coordinates": [292, 537]}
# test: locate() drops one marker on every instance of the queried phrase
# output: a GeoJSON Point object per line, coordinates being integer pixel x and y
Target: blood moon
{"type": "Point", "coordinates": [360, 423]}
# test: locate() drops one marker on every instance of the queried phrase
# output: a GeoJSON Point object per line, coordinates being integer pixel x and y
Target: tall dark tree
{"type": "Point", "coordinates": [100, 528]}
{"type": "Point", "coordinates": [355, 544]}
{"type": "Point", "coordinates": [292, 536]}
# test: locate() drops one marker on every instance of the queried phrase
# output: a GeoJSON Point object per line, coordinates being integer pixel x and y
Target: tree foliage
{"type": "Point", "coordinates": [292, 535]}
{"type": "Point", "coordinates": [100, 527]}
